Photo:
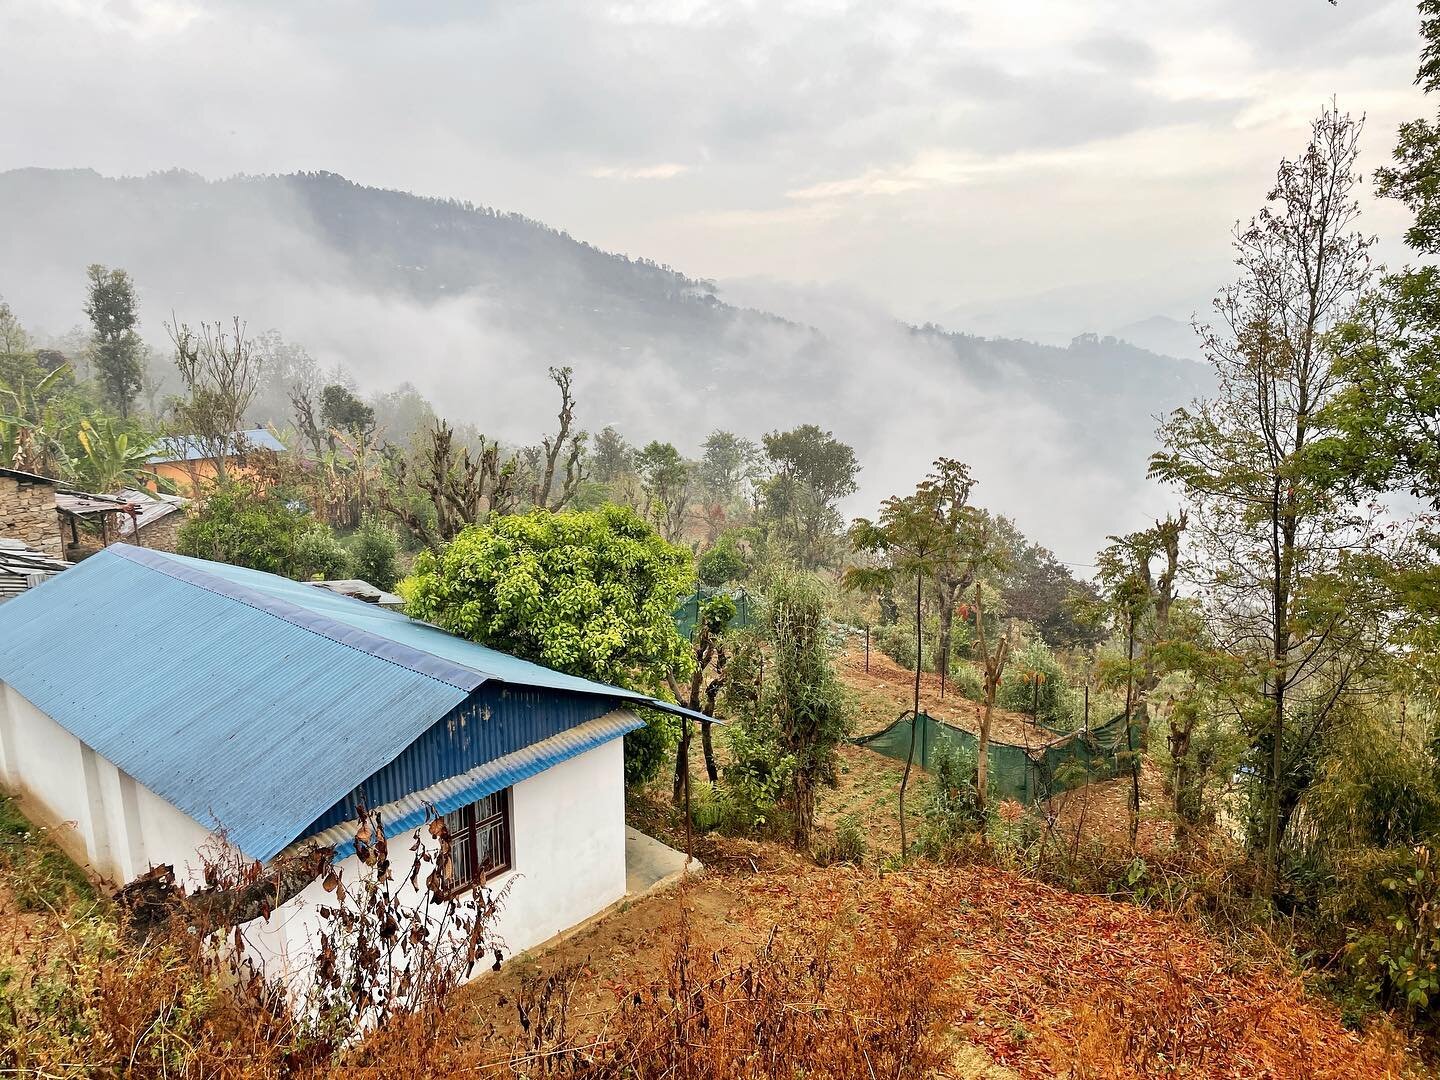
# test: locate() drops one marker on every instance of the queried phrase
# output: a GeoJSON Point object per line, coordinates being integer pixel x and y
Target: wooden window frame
{"type": "Point", "coordinates": [472, 827]}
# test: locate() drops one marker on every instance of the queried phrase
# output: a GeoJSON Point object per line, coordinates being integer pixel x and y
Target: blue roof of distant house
{"type": "Point", "coordinates": [194, 448]}
{"type": "Point", "coordinates": [256, 703]}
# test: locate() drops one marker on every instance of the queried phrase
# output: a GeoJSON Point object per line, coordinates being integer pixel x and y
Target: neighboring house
{"type": "Point", "coordinates": [139, 517]}
{"type": "Point", "coordinates": [188, 462]}
{"type": "Point", "coordinates": [27, 511]}
{"type": "Point", "coordinates": [22, 567]}
{"type": "Point", "coordinates": [155, 701]}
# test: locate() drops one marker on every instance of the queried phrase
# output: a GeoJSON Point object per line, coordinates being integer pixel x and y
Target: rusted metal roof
{"type": "Point", "coordinates": [22, 567]}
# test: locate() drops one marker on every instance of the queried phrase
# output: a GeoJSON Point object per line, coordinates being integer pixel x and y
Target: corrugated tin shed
{"type": "Point", "coordinates": [248, 701]}
{"type": "Point", "coordinates": [22, 567]}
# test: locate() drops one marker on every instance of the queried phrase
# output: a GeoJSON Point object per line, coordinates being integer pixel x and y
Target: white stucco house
{"type": "Point", "coordinates": [152, 703]}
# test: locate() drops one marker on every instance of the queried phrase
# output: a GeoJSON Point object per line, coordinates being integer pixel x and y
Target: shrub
{"type": "Point", "coordinates": [318, 555]}
{"type": "Point", "coordinates": [242, 526]}
{"type": "Point", "coordinates": [647, 749]}
{"type": "Point", "coordinates": [846, 846]}
{"type": "Point", "coordinates": [1398, 959]}
{"type": "Point", "coordinates": [965, 680]}
{"type": "Point", "coordinates": [1035, 682]}
{"type": "Point", "coordinates": [375, 554]}
{"type": "Point", "coordinates": [951, 809]}
{"type": "Point", "coordinates": [723, 563]}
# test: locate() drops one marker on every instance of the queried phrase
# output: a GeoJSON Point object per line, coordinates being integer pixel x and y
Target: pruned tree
{"type": "Point", "coordinates": [993, 663]}
{"type": "Point", "coordinates": [462, 487]}
{"type": "Point", "coordinates": [220, 370]}
{"type": "Point", "coordinates": [707, 680]}
{"type": "Point", "coordinates": [566, 442]}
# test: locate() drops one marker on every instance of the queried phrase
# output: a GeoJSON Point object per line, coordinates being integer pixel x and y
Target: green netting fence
{"type": "Point", "coordinates": [1027, 774]}
{"type": "Point", "coordinates": [687, 614]}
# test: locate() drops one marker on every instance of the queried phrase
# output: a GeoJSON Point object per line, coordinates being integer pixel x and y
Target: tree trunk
{"type": "Point", "coordinates": [682, 762]}
{"type": "Point", "coordinates": [914, 715]}
{"type": "Point", "coordinates": [1130, 733]}
{"type": "Point", "coordinates": [709, 749]}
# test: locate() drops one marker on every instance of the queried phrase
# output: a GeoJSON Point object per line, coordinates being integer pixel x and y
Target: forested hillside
{"type": "Point", "coordinates": [460, 299]}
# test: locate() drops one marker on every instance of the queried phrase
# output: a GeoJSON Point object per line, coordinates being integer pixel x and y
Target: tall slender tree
{"type": "Point", "coordinates": [117, 350]}
{"type": "Point", "coordinates": [1271, 528]}
{"type": "Point", "coordinates": [915, 539]}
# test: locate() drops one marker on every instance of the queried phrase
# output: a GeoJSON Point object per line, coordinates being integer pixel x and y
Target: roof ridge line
{"type": "Point", "coordinates": [352, 637]}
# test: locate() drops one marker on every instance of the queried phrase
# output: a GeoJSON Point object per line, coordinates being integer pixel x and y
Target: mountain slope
{"type": "Point", "coordinates": [472, 305]}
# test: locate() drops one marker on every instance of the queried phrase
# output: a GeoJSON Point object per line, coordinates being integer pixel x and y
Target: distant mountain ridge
{"type": "Point", "coordinates": [471, 304]}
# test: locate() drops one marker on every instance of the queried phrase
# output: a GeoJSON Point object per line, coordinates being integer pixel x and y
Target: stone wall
{"type": "Point", "coordinates": [162, 535]}
{"type": "Point", "coordinates": [27, 513]}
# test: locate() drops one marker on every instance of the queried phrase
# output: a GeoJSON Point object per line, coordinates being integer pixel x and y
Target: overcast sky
{"type": "Point", "coordinates": [1034, 167]}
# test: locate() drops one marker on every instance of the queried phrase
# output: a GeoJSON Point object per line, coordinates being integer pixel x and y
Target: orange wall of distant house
{"type": "Point", "coordinates": [187, 475]}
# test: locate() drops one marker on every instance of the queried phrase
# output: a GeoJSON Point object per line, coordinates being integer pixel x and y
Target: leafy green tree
{"type": "Point", "coordinates": [728, 461]}
{"type": "Point", "coordinates": [240, 525]}
{"type": "Point", "coordinates": [375, 554]}
{"type": "Point", "coordinates": [612, 456]}
{"type": "Point", "coordinates": [811, 471]}
{"type": "Point", "coordinates": [665, 480]}
{"type": "Point", "coordinates": [723, 562]}
{"type": "Point", "coordinates": [341, 410]}
{"type": "Point", "coordinates": [917, 538]}
{"type": "Point", "coordinates": [1272, 529]}
{"type": "Point", "coordinates": [591, 593]}
{"type": "Point", "coordinates": [111, 306]}
{"type": "Point", "coordinates": [785, 727]}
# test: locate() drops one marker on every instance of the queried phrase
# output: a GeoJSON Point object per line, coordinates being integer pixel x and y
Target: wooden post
{"type": "Point", "coordinates": [867, 648]}
{"type": "Point", "coordinates": [688, 819]}
{"type": "Point", "coordinates": [1087, 705]}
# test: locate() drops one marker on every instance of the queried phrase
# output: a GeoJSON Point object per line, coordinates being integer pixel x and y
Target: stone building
{"type": "Point", "coordinates": [28, 513]}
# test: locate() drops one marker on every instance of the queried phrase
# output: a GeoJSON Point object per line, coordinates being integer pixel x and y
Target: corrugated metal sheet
{"type": "Point", "coordinates": [194, 448]}
{"type": "Point", "coordinates": [494, 721]}
{"type": "Point", "coordinates": [241, 720]}
{"type": "Point", "coordinates": [381, 629]}
{"type": "Point", "coordinates": [405, 814]}
{"type": "Point", "coordinates": [259, 704]}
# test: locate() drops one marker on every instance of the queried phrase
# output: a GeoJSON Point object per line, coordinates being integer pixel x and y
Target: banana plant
{"type": "Point", "coordinates": [27, 439]}
{"type": "Point", "coordinates": [111, 458]}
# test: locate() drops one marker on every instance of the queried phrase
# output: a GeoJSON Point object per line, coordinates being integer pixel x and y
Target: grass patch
{"type": "Point", "coordinates": [39, 875]}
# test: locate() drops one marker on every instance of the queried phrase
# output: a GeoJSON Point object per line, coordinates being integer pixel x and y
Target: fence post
{"type": "Point", "coordinates": [867, 648]}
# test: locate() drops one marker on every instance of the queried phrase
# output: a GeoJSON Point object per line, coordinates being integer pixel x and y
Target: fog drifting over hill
{"type": "Point", "coordinates": [472, 306]}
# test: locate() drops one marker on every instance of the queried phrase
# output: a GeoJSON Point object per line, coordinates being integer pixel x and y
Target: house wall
{"type": "Point", "coordinates": [162, 535]}
{"type": "Point", "coordinates": [99, 814]}
{"type": "Point", "coordinates": [567, 836]}
{"type": "Point", "coordinates": [568, 849]}
{"type": "Point", "coordinates": [27, 512]}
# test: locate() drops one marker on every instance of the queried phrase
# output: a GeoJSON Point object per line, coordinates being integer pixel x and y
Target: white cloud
{"type": "Point", "coordinates": [665, 171]}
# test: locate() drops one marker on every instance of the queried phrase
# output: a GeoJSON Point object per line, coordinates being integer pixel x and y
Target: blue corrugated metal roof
{"type": "Point", "coordinates": [248, 701]}
{"type": "Point", "coordinates": [401, 816]}
{"type": "Point", "coordinates": [374, 627]}
{"type": "Point", "coordinates": [194, 448]}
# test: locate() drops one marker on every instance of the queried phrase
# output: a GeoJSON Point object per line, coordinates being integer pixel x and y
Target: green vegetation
{"type": "Point", "coordinates": [36, 872]}
{"type": "Point", "coordinates": [248, 527]}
